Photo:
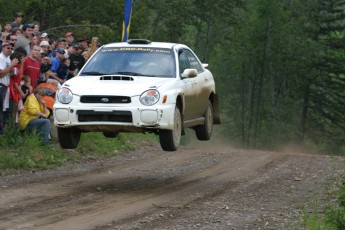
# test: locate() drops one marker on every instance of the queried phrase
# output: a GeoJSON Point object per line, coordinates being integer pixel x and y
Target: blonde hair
{"type": "Point", "coordinates": [26, 79]}
{"type": "Point", "coordinates": [40, 91]}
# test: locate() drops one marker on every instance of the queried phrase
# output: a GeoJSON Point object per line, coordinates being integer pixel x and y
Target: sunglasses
{"type": "Point", "coordinates": [13, 39]}
{"type": "Point", "coordinates": [9, 48]}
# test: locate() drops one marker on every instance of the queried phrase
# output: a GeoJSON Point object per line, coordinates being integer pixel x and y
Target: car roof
{"type": "Point", "coordinates": [148, 43]}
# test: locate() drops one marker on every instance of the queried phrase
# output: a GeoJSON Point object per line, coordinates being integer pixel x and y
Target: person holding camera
{"type": "Point", "coordinates": [16, 93]}
{"type": "Point", "coordinates": [6, 67]}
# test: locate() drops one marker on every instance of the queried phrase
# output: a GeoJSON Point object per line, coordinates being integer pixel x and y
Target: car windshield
{"type": "Point", "coordinates": [132, 61]}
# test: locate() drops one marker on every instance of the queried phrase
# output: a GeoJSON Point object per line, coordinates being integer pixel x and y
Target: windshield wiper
{"type": "Point", "coordinates": [95, 73]}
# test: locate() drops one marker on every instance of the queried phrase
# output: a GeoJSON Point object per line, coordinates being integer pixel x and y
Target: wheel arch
{"type": "Point", "coordinates": [180, 105]}
{"type": "Point", "coordinates": [215, 105]}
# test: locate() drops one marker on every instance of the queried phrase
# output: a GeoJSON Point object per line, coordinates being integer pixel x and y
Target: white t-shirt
{"type": "Point", "coordinates": [4, 63]}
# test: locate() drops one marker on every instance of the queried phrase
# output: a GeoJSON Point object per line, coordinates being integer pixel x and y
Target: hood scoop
{"type": "Point", "coordinates": [116, 78]}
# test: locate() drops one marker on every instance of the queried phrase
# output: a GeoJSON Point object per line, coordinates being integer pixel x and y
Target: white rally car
{"type": "Point", "coordinates": [138, 86]}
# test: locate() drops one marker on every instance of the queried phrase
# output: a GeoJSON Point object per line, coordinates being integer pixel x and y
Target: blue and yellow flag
{"type": "Point", "coordinates": [126, 20]}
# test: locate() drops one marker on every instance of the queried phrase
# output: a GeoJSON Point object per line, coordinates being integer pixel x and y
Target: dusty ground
{"type": "Point", "coordinates": [200, 187]}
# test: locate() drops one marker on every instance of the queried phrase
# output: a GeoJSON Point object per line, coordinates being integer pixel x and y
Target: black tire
{"type": "Point", "coordinates": [204, 132]}
{"type": "Point", "coordinates": [111, 134]}
{"type": "Point", "coordinates": [68, 137]}
{"type": "Point", "coordinates": [170, 139]}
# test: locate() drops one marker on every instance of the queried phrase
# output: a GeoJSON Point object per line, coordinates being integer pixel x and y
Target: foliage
{"type": "Point", "coordinates": [278, 65]}
{"type": "Point", "coordinates": [25, 150]}
{"type": "Point", "coordinates": [334, 216]}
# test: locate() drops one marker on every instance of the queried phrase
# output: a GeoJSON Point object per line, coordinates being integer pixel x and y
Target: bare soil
{"type": "Point", "coordinates": [206, 186]}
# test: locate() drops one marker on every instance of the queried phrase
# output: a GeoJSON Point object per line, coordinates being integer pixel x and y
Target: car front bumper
{"type": "Point", "coordinates": [105, 118]}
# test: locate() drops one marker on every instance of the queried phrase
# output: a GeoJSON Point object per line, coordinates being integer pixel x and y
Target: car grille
{"type": "Point", "coordinates": [113, 116]}
{"type": "Point", "coordinates": [105, 99]}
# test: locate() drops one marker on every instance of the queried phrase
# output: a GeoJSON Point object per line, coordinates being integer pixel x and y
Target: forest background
{"type": "Point", "coordinates": [278, 65]}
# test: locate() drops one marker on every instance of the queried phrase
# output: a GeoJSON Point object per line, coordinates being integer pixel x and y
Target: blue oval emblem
{"type": "Point", "coordinates": [105, 100]}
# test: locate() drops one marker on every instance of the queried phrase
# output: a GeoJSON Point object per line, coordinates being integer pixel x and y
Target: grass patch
{"type": "Point", "coordinates": [96, 144]}
{"type": "Point", "coordinates": [334, 216]}
{"type": "Point", "coordinates": [26, 151]}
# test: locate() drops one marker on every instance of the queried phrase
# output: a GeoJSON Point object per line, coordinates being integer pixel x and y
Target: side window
{"type": "Point", "coordinates": [187, 60]}
{"type": "Point", "coordinates": [183, 61]}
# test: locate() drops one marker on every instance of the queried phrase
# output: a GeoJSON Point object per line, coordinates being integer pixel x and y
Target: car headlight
{"type": "Point", "coordinates": [64, 95]}
{"type": "Point", "coordinates": [149, 97]}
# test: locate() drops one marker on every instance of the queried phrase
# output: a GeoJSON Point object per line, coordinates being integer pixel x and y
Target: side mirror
{"type": "Point", "coordinates": [189, 73]}
{"type": "Point", "coordinates": [205, 65]}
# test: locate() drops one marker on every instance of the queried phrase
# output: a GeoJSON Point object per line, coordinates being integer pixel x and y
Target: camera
{"type": "Point", "coordinates": [15, 71]}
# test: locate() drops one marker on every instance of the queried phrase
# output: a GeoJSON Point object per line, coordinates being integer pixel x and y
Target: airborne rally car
{"type": "Point", "coordinates": [138, 86]}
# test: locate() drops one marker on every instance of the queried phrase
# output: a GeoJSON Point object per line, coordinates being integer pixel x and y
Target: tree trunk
{"type": "Point", "coordinates": [304, 111]}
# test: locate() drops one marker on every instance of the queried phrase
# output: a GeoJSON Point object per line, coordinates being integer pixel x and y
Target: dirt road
{"type": "Point", "coordinates": [194, 188]}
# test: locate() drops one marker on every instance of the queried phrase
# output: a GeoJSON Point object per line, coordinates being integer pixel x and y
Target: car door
{"type": "Point", "coordinates": [190, 89]}
{"type": "Point", "coordinates": [199, 85]}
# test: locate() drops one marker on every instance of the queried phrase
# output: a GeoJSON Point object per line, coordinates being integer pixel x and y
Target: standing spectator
{"type": "Point", "coordinates": [24, 39]}
{"type": "Point", "coordinates": [47, 76]}
{"type": "Point", "coordinates": [60, 55]}
{"type": "Point", "coordinates": [18, 18]}
{"type": "Point", "coordinates": [0, 35]}
{"type": "Point", "coordinates": [12, 38]}
{"type": "Point", "coordinates": [16, 31]}
{"type": "Point", "coordinates": [53, 46]}
{"type": "Point", "coordinates": [61, 43]}
{"type": "Point", "coordinates": [16, 93]}
{"type": "Point", "coordinates": [62, 71]}
{"type": "Point", "coordinates": [85, 49]}
{"type": "Point", "coordinates": [6, 67]}
{"type": "Point", "coordinates": [34, 115]}
{"type": "Point", "coordinates": [69, 36]}
{"type": "Point", "coordinates": [44, 37]}
{"type": "Point", "coordinates": [77, 62]}
{"type": "Point", "coordinates": [55, 61]}
{"type": "Point", "coordinates": [70, 50]}
{"type": "Point", "coordinates": [7, 31]}
{"type": "Point", "coordinates": [35, 40]}
{"type": "Point", "coordinates": [44, 48]}
{"type": "Point", "coordinates": [32, 65]}
{"type": "Point", "coordinates": [84, 43]}
{"type": "Point", "coordinates": [21, 50]}
{"type": "Point", "coordinates": [36, 27]}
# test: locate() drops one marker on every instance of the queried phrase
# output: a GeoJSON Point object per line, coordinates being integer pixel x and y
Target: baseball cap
{"type": "Point", "coordinates": [18, 14]}
{"type": "Point", "coordinates": [61, 39]}
{"type": "Point", "coordinates": [43, 35]}
{"type": "Point", "coordinates": [44, 43]}
{"type": "Point", "coordinates": [6, 43]}
{"type": "Point", "coordinates": [60, 50]}
{"type": "Point", "coordinates": [75, 45]}
{"type": "Point", "coordinates": [68, 34]}
{"type": "Point", "coordinates": [27, 26]}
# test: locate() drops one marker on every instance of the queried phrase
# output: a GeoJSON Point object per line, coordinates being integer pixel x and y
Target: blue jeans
{"type": "Point", "coordinates": [42, 125]}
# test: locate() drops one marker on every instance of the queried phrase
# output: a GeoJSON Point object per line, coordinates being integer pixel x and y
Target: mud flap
{"type": "Point", "coordinates": [216, 114]}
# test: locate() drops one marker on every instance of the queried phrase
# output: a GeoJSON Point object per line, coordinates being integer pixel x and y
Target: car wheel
{"type": "Point", "coordinates": [170, 139]}
{"type": "Point", "coordinates": [204, 132]}
{"type": "Point", "coordinates": [111, 134]}
{"type": "Point", "coordinates": [68, 137]}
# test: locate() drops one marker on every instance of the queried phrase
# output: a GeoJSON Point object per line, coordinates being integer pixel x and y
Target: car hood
{"type": "Point", "coordinates": [129, 86]}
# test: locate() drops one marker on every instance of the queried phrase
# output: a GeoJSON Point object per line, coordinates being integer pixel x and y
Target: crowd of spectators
{"type": "Point", "coordinates": [32, 67]}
